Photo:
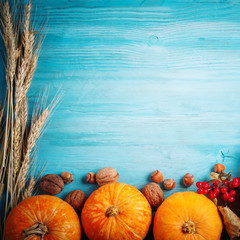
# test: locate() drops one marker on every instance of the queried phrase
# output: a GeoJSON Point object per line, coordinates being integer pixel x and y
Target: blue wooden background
{"type": "Point", "coordinates": [146, 85]}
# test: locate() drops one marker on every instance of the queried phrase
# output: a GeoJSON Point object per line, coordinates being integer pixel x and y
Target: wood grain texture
{"type": "Point", "coordinates": [147, 85]}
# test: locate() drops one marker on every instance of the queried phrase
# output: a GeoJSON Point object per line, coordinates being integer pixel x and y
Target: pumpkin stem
{"type": "Point", "coordinates": [189, 227]}
{"type": "Point", "coordinates": [38, 229]}
{"type": "Point", "coordinates": [112, 211]}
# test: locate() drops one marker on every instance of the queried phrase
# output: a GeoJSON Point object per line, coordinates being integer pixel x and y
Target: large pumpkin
{"type": "Point", "coordinates": [116, 211]}
{"type": "Point", "coordinates": [43, 218]}
{"type": "Point", "coordinates": [187, 216]}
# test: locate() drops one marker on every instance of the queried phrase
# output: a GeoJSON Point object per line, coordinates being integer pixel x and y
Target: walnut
{"type": "Point", "coordinates": [52, 184]}
{"type": "Point", "coordinates": [76, 199]}
{"type": "Point", "coordinates": [107, 175]}
{"type": "Point", "coordinates": [153, 194]}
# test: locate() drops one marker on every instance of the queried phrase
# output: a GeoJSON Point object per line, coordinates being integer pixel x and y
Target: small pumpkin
{"type": "Point", "coordinates": [187, 215]}
{"type": "Point", "coordinates": [116, 211]}
{"type": "Point", "coordinates": [42, 217]}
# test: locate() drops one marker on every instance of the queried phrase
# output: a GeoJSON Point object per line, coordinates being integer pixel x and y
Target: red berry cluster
{"type": "Point", "coordinates": [223, 189]}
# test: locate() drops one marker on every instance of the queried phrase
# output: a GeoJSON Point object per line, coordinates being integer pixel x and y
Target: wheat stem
{"type": "Point", "coordinates": [16, 147]}
{"type": "Point", "coordinates": [34, 134]}
{"type": "Point", "coordinates": [28, 191]}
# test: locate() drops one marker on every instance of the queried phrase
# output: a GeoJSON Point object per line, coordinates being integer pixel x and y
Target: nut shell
{"type": "Point", "coordinates": [153, 194]}
{"type": "Point", "coordinates": [107, 175]}
{"type": "Point", "coordinates": [188, 179]}
{"type": "Point", "coordinates": [76, 199]}
{"type": "Point", "coordinates": [219, 168]}
{"type": "Point", "coordinates": [169, 184]}
{"type": "Point", "coordinates": [91, 177]}
{"type": "Point", "coordinates": [52, 184]}
{"type": "Point", "coordinates": [67, 177]}
{"type": "Point", "coordinates": [157, 176]}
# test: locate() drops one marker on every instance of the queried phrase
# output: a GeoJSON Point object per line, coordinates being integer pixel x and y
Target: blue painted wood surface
{"type": "Point", "coordinates": [146, 85]}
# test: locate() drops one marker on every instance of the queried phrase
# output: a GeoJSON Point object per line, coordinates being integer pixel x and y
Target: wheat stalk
{"type": "Point", "coordinates": [23, 68]}
{"type": "Point", "coordinates": [34, 134]}
{"type": "Point", "coordinates": [10, 41]}
{"type": "Point", "coordinates": [30, 74]}
{"type": "Point", "coordinates": [16, 146]}
{"type": "Point", "coordinates": [28, 191]}
{"type": "Point", "coordinates": [24, 114]}
{"type": "Point", "coordinates": [1, 114]}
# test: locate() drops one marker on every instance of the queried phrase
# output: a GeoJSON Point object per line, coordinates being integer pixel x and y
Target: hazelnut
{"type": "Point", "coordinates": [219, 168]}
{"type": "Point", "coordinates": [76, 199]}
{"type": "Point", "coordinates": [91, 177]}
{"type": "Point", "coordinates": [153, 194]}
{"type": "Point", "coordinates": [107, 175]}
{"type": "Point", "coordinates": [52, 184]}
{"type": "Point", "coordinates": [157, 176]}
{"type": "Point", "coordinates": [188, 180]}
{"type": "Point", "coordinates": [169, 184]}
{"type": "Point", "coordinates": [67, 177]}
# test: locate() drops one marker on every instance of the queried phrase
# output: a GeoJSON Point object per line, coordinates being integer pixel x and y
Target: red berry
{"type": "Point", "coordinates": [231, 199]}
{"type": "Point", "coordinates": [223, 189]}
{"type": "Point", "coordinates": [231, 185]}
{"type": "Point", "coordinates": [200, 191]}
{"type": "Point", "coordinates": [199, 184]}
{"type": "Point", "coordinates": [226, 196]}
{"type": "Point", "coordinates": [205, 191]}
{"type": "Point", "coordinates": [232, 193]}
{"type": "Point", "coordinates": [235, 184]}
{"type": "Point", "coordinates": [212, 195]}
{"type": "Point", "coordinates": [216, 190]}
{"type": "Point", "coordinates": [216, 182]}
{"type": "Point", "coordinates": [205, 185]}
{"type": "Point", "coordinates": [225, 182]}
{"type": "Point", "coordinates": [235, 179]}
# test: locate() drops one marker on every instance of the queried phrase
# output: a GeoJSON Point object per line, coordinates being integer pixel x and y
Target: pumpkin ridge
{"type": "Point", "coordinates": [127, 200]}
{"type": "Point", "coordinates": [27, 213]}
{"type": "Point", "coordinates": [116, 200]}
{"type": "Point", "coordinates": [109, 229]}
{"type": "Point", "coordinates": [53, 215]}
{"type": "Point", "coordinates": [169, 208]}
{"type": "Point", "coordinates": [128, 227]}
{"type": "Point", "coordinates": [54, 232]}
{"type": "Point", "coordinates": [39, 210]}
{"type": "Point", "coordinates": [197, 233]}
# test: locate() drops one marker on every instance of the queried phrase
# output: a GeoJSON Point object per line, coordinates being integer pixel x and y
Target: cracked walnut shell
{"type": "Point", "coordinates": [153, 194]}
{"type": "Point", "coordinates": [76, 199]}
{"type": "Point", "coordinates": [107, 175]}
{"type": "Point", "coordinates": [52, 184]}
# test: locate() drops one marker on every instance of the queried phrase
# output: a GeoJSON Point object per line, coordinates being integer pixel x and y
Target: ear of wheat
{"type": "Point", "coordinates": [18, 138]}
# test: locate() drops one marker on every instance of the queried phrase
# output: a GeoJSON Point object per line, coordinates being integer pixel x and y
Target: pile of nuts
{"type": "Point", "coordinates": [153, 192]}
{"type": "Point", "coordinates": [53, 184]}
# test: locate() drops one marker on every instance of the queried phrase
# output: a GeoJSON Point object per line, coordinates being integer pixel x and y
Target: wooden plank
{"type": "Point", "coordinates": [145, 88]}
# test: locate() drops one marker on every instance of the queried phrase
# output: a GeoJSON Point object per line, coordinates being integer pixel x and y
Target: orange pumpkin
{"type": "Point", "coordinates": [116, 211]}
{"type": "Point", "coordinates": [42, 218]}
{"type": "Point", "coordinates": [187, 216]}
